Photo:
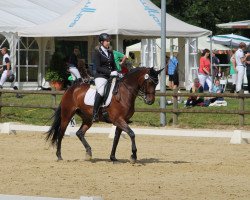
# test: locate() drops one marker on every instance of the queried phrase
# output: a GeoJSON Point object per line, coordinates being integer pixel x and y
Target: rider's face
{"type": "Point", "coordinates": [106, 43]}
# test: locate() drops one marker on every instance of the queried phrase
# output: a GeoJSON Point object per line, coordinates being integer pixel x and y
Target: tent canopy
{"type": "Point", "coordinates": [230, 40]}
{"type": "Point", "coordinates": [202, 44]}
{"type": "Point", "coordinates": [27, 13]}
{"type": "Point", "coordinates": [124, 17]}
{"type": "Point", "coordinates": [240, 24]}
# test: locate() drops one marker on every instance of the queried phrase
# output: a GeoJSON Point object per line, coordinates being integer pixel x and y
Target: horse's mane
{"type": "Point", "coordinates": [152, 72]}
{"type": "Point", "coordinates": [135, 70]}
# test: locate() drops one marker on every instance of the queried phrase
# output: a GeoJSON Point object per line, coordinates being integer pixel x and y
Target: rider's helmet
{"type": "Point", "coordinates": [104, 37]}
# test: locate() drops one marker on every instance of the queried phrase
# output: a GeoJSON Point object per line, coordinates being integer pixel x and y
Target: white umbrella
{"type": "Point", "coordinates": [231, 40]}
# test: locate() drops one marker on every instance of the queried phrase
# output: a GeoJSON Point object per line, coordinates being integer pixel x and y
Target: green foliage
{"type": "Point", "coordinates": [57, 68]}
{"type": "Point", "coordinates": [207, 13]}
{"type": "Point", "coordinates": [53, 76]}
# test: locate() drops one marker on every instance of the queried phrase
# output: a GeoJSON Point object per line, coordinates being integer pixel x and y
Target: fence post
{"type": "Point", "coordinates": [175, 107]}
{"type": "Point", "coordinates": [241, 108]}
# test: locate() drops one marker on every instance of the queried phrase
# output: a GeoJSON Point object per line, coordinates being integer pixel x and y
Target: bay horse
{"type": "Point", "coordinates": [139, 81]}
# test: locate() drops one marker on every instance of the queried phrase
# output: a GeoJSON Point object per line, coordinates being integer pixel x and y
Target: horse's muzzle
{"type": "Point", "coordinates": [149, 102]}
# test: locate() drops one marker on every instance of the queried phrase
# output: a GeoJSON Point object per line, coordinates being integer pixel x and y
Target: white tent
{"type": "Point", "coordinates": [202, 44]}
{"type": "Point", "coordinates": [116, 17]}
{"type": "Point", "coordinates": [27, 13]}
{"type": "Point", "coordinates": [19, 14]}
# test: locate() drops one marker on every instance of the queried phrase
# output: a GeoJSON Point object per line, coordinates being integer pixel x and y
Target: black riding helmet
{"type": "Point", "coordinates": [104, 37]}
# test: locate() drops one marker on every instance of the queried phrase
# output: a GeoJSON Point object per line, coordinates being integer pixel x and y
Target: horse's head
{"type": "Point", "coordinates": [148, 84]}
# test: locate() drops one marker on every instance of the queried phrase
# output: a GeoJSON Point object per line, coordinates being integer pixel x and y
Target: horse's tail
{"type": "Point", "coordinates": [54, 130]}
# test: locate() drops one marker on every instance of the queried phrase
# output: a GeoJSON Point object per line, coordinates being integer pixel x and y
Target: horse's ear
{"type": "Point", "coordinates": [159, 71]}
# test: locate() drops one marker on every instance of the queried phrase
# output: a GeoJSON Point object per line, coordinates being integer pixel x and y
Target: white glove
{"type": "Point", "coordinates": [114, 73]}
{"type": "Point", "coordinates": [120, 75]}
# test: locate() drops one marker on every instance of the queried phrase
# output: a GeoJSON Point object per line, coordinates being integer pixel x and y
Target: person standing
{"type": "Point", "coordinates": [204, 70]}
{"type": "Point", "coordinates": [73, 65]}
{"type": "Point", "coordinates": [173, 72]}
{"type": "Point", "coordinates": [248, 72]}
{"type": "Point", "coordinates": [6, 70]}
{"type": "Point", "coordinates": [119, 59]}
{"type": "Point", "coordinates": [240, 59]}
{"type": "Point", "coordinates": [105, 68]}
{"type": "Point", "coordinates": [215, 64]}
{"type": "Point", "coordinates": [233, 71]}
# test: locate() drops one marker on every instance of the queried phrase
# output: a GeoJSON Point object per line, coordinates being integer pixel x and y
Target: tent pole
{"type": "Point", "coordinates": [18, 60]}
{"type": "Point", "coordinates": [211, 62]}
{"type": "Point", "coordinates": [117, 42]}
{"type": "Point", "coordinates": [163, 62]}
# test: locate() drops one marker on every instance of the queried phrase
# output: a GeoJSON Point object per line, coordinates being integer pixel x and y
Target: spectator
{"type": "Point", "coordinates": [233, 71]}
{"type": "Point", "coordinates": [215, 64]}
{"type": "Point", "coordinates": [248, 72]}
{"type": "Point", "coordinates": [240, 59]}
{"type": "Point", "coordinates": [216, 89]}
{"type": "Point", "coordinates": [120, 59]}
{"type": "Point", "coordinates": [196, 88]}
{"type": "Point", "coordinates": [173, 72]}
{"type": "Point", "coordinates": [204, 70]}
{"type": "Point", "coordinates": [73, 65]}
{"type": "Point", "coordinates": [7, 73]}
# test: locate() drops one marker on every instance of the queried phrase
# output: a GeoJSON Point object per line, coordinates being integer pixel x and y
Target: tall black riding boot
{"type": "Point", "coordinates": [98, 101]}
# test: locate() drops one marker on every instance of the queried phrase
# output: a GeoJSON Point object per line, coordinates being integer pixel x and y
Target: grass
{"type": "Point", "coordinates": [185, 120]}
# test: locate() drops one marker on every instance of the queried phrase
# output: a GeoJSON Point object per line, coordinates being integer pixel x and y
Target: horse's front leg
{"type": "Point", "coordinates": [124, 127]}
{"type": "Point", "coordinates": [80, 134]}
{"type": "Point", "coordinates": [115, 143]}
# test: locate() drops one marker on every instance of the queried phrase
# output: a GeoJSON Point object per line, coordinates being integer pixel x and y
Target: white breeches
{"type": "Point", "coordinates": [4, 77]}
{"type": "Point", "coordinates": [205, 78]}
{"type": "Point", "coordinates": [75, 73]}
{"type": "Point", "coordinates": [100, 85]}
{"type": "Point", "coordinates": [240, 77]}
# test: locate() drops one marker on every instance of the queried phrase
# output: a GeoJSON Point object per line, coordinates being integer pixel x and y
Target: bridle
{"type": "Point", "coordinates": [143, 90]}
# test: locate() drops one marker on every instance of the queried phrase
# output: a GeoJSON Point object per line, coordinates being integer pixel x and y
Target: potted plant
{"type": "Point", "coordinates": [55, 79]}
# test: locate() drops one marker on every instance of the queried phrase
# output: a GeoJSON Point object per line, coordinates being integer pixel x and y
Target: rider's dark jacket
{"type": "Point", "coordinates": [104, 64]}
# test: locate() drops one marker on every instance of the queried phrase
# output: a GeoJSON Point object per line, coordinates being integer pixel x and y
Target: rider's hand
{"type": "Point", "coordinates": [114, 73]}
{"type": "Point", "coordinates": [120, 75]}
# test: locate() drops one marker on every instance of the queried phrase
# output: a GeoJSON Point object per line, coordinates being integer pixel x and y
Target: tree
{"type": "Point", "coordinates": [208, 13]}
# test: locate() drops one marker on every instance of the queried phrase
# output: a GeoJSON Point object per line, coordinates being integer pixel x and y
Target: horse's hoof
{"type": "Point", "coordinates": [132, 160]}
{"type": "Point", "coordinates": [113, 159]}
{"type": "Point", "coordinates": [59, 159]}
{"type": "Point", "coordinates": [88, 156]}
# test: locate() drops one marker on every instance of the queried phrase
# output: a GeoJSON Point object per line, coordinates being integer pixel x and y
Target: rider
{"type": "Point", "coordinates": [105, 67]}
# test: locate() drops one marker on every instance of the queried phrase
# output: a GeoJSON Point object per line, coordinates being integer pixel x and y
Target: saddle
{"type": "Point", "coordinates": [89, 98]}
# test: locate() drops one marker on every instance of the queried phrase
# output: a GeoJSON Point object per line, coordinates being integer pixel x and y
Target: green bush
{"type": "Point", "coordinates": [53, 76]}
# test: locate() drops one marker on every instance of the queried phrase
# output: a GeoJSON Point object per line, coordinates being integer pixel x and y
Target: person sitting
{"type": "Point", "coordinates": [216, 89]}
{"type": "Point", "coordinates": [195, 100]}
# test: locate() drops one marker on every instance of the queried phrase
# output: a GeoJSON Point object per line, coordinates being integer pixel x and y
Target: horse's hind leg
{"type": "Point", "coordinates": [115, 143]}
{"type": "Point", "coordinates": [59, 140]}
{"type": "Point", "coordinates": [80, 134]}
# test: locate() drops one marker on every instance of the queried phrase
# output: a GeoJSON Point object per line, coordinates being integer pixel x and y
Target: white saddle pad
{"type": "Point", "coordinates": [90, 95]}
